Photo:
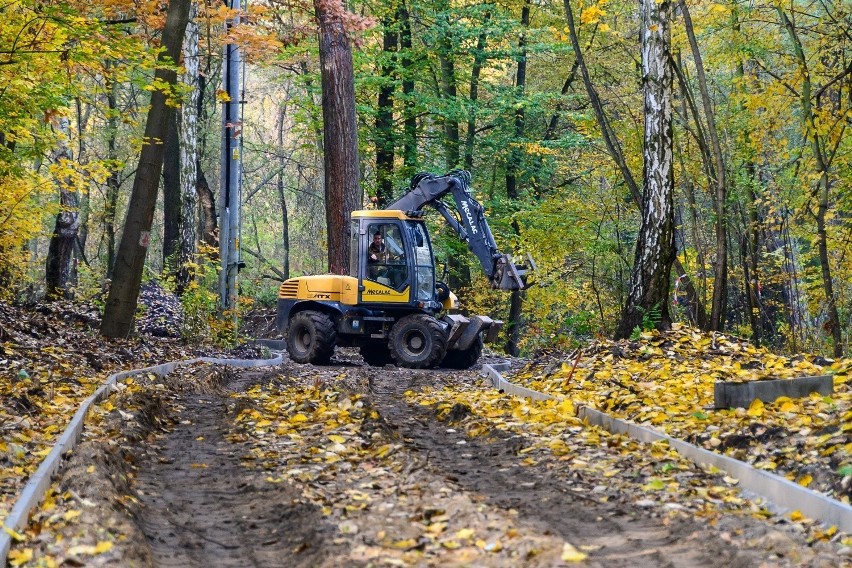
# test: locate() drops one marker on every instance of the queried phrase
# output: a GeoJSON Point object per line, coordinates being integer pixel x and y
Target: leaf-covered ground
{"type": "Point", "coordinates": [666, 381]}
{"type": "Point", "coordinates": [353, 465]}
{"type": "Point", "coordinates": [51, 359]}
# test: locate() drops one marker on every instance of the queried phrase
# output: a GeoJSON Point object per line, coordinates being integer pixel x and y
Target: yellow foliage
{"type": "Point", "coordinates": [23, 203]}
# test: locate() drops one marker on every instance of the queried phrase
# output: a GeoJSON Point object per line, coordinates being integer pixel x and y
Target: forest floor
{"type": "Point", "coordinates": [347, 464]}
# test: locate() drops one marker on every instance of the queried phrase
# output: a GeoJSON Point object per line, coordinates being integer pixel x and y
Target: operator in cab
{"type": "Point", "coordinates": [377, 250]}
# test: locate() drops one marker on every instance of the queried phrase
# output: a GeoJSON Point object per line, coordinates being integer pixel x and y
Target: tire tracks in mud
{"type": "Point", "coordinates": [618, 534]}
{"type": "Point", "coordinates": [200, 507]}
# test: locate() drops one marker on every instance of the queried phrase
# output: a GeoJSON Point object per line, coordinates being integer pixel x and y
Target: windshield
{"type": "Point", "coordinates": [424, 264]}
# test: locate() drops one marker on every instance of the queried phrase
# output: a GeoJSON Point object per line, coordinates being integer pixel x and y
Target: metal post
{"type": "Point", "coordinates": [231, 178]}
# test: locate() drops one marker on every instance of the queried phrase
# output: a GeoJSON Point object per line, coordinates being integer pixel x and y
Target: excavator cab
{"type": "Point", "coordinates": [391, 256]}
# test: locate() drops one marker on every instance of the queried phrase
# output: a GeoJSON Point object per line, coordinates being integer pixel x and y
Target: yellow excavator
{"type": "Point", "coordinates": [390, 305]}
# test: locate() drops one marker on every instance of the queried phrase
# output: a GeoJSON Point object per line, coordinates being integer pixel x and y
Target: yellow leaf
{"type": "Point", "coordinates": [755, 409]}
{"type": "Point", "coordinates": [404, 544]}
{"type": "Point", "coordinates": [796, 515]}
{"type": "Point", "coordinates": [591, 15]}
{"type": "Point", "coordinates": [451, 544]}
{"type": "Point", "coordinates": [16, 536]}
{"type": "Point", "coordinates": [571, 554]}
{"type": "Point", "coordinates": [18, 557]}
{"type": "Point", "coordinates": [103, 546]}
{"type": "Point", "coordinates": [299, 418]}
{"type": "Point", "coordinates": [337, 439]}
{"type": "Point", "coordinates": [464, 534]}
{"type": "Point", "coordinates": [81, 549]}
{"type": "Point", "coordinates": [805, 480]}
{"type": "Point", "coordinates": [73, 514]}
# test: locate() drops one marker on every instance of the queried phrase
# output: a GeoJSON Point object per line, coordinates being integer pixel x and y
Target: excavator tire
{"type": "Point", "coordinates": [418, 341]}
{"type": "Point", "coordinates": [376, 355]}
{"type": "Point", "coordinates": [463, 358]}
{"type": "Point", "coordinates": [311, 337]}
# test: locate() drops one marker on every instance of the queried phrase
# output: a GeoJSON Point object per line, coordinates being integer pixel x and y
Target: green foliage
{"type": "Point", "coordinates": [650, 319]}
{"type": "Point", "coordinates": [200, 301]}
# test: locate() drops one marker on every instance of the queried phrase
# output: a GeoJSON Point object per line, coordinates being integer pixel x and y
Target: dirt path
{"type": "Point", "coordinates": [201, 507]}
{"type": "Point", "coordinates": [440, 499]}
{"type": "Point", "coordinates": [549, 501]}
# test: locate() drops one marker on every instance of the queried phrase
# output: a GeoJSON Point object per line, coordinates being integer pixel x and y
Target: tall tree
{"type": "Point", "coordinates": [340, 130]}
{"type": "Point", "coordinates": [409, 113]}
{"type": "Point", "coordinates": [60, 254]}
{"type": "Point", "coordinates": [655, 253]}
{"type": "Point", "coordinates": [448, 85]}
{"type": "Point", "coordinates": [718, 179]}
{"type": "Point", "coordinates": [189, 154]}
{"type": "Point", "coordinates": [280, 186]}
{"type": "Point", "coordinates": [384, 114]}
{"type": "Point", "coordinates": [615, 151]}
{"type": "Point", "coordinates": [512, 168]}
{"type": "Point", "coordinates": [171, 195]}
{"type": "Point", "coordinates": [823, 149]}
{"type": "Point", "coordinates": [121, 303]}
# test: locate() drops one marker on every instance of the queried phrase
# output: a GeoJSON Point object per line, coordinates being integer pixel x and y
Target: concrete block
{"type": "Point", "coordinates": [734, 395]}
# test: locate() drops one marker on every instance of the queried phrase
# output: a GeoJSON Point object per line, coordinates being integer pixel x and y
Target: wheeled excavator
{"type": "Point", "coordinates": [390, 305]}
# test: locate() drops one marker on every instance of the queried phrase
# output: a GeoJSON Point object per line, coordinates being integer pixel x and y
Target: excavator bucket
{"type": "Point", "coordinates": [511, 276]}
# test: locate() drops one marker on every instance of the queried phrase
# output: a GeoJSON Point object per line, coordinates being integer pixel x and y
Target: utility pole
{"type": "Point", "coordinates": [231, 174]}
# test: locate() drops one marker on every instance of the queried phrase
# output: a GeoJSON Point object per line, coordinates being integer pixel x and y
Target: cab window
{"type": "Point", "coordinates": [386, 262]}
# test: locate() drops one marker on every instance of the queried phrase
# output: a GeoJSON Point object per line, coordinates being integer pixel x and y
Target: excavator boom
{"type": "Point", "coordinates": [468, 221]}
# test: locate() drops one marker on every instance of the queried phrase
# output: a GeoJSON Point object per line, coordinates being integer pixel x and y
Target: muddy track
{"type": "Point", "coordinates": [201, 507]}
{"type": "Point", "coordinates": [549, 501]}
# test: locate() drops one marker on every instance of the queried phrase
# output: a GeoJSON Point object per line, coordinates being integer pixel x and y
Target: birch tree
{"type": "Point", "coordinates": [188, 141]}
{"type": "Point", "coordinates": [655, 253]}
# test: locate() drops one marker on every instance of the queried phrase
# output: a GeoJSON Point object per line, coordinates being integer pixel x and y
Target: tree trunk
{"type": "Point", "coordinates": [513, 330]}
{"type": "Point", "coordinates": [124, 291]}
{"type": "Point", "coordinates": [515, 154]}
{"type": "Point", "coordinates": [647, 299]}
{"type": "Point", "coordinates": [449, 91]}
{"type": "Point", "coordinates": [209, 226]}
{"type": "Point", "coordinates": [614, 149]}
{"type": "Point", "coordinates": [475, 72]}
{"type": "Point", "coordinates": [285, 220]}
{"type": "Point", "coordinates": [720, 266]}
{"type": "Point", "coordinates": [188, 136]}
{"type": "Point", "coordinates": [171, 196]}
{"type": "Point", "coordinates": [409, 139]}
{"type": "Point", "coordinates": [384, 117]}
{"type": "Point", "coordinates": [340, 131]}
{"type": "Point", "coordinates": [113, 181]}
{"type": "Point", "coordinates": [60, 254]}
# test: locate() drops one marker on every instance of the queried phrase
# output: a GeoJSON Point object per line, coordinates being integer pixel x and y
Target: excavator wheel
{"type": "Point", "coordinates": [463, 359]}
{"type": "Point", "coordinates": [376, 355]}
{"type": "Point", "coordinates": [311, 337]}
{"type": "Point", "coordinates": [418, 341]}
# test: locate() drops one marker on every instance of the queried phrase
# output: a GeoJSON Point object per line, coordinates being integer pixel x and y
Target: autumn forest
{"type": "Point", "coordinates": [546, 104]}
